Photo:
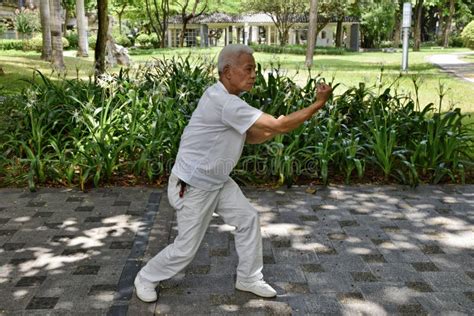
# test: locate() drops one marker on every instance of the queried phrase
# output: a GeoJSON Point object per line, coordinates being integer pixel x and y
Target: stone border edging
{"type": "Point", "coordinates": [134, 260]}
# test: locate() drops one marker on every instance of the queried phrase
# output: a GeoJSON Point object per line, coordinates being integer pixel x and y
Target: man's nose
{"type": "Point", "coordinates": [253, 74]}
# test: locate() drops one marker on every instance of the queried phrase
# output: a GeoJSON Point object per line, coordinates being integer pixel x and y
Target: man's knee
{"type": "Point", "coordinates": [250, 220]}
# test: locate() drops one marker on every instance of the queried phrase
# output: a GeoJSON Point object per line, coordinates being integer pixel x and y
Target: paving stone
{"type": "Point", "coordinates": [11, 246]}
{"type": "Point", "coordinates": [424, 266]}
{"type": "Point", "coordinates": [419, 286]}
{"type": "Point", "coordinates": [349, 297]}
{"type": "Point", "coordinates": [348, 223]}
{"type": "Point", "coordinates": [446, 303]}
{"type": "Point", "coordinates": [309, 218]}
{"type": "Point", "coordinates": [370, 258]}
{"type": "Point", "coordinates": [121, 245]}
{"type": "Point", "coordinates": [43, 214]}
{"type": "Point", "coordinates": [325, 282]}
{"type": "Point", "coordinates": [53, 225]}
{"type": "Point", "coordinates": [278, 243]}
{"type": "Point", "coordinates": [121, 203]}
{"type": "Point", "coordinates": [87, 269]}
{"type": "Point", "coordinates": [312, 267]}
{"type": "Point", "coordinates": [7, 232]}
{"type": "Point", "coordinates": [30, 281]}
{"type": "Point", "coordinates": [62, 238]}
{"type": "Point", "coordinates": [292, 255]}
{"type": "Point", "coordinates": [364, 277]}
{"type": "Point", "coordinates": [98, 289]}
{"type": "Point", "coordinates": [88, 208]}
{"type": "Point", "coordinates": [94, 219]}
{"type": "Point", "coordinates": [219, 252]}
{"type": "Point", "coordinates": [4, 220]}
{"type": "Point", "coordinates": [412, 309]}
{"type": "Point", "coordinates": [394, 272]}
{"type": "Point", "coordinates": [75, 199]}
{"type": "Point", "coordinates": [344, 263]}
{"type": "Point", "coordinates": [198, 269]}
{"type": "Point", "coordinates": [337, 236]}
{"type": "Point", "coordinates": [18, 261]}
{"type": "Point", "coordinates": [470, 274]}
{"type": "Point", "coordinates": [293, 287]}
{"type": "Point", "coordinates": [379, 242]}
{"type": "Point", "coordinates": [283, 273]}
{"type": "Point", "coordinates": [36, 204]}
{"type": "Point", "coordinates": [74, 251]}
{"type": "Point", "coordinates": [43, 303]}
{"type": "Point", "coordinates": [311, 304]}
{"type": "Point", "coordinates": [448, 281]}
{"type": "Point", "coordinates": [431, 249]}
{"type": "Point", "coordinates": [391, 228]}
{"type": "Point", "coordinates": [470, 295]}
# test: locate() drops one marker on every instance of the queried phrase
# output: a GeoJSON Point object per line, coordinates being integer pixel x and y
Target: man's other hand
{"type": "Point", "coordinates": [323, 92]}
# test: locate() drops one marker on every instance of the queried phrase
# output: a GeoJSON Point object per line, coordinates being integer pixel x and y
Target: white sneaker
{"type": "Point", "coordinates": [146, 291]}
{"type": "Point", "coordinates": [260, 288]}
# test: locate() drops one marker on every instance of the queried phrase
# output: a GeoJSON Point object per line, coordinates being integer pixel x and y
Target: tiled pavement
{"type": "Point", "coordinates": [347, 250]}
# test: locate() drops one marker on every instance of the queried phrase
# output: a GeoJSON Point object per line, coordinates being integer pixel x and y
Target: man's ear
{"type": "Point", "coordinates": [226, 72]}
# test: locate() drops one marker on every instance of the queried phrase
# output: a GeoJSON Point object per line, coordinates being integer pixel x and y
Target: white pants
{"type": "Point", "coordinates": [194, 213]}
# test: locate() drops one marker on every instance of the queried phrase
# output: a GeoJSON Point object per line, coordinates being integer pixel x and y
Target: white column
{"type": "Point", "coordinates": [246, 34]}
{"type": "Point", "coordinates": [170, 37]}
{"type": "Point", "coordinates": [269, 35]}
{"type": "Point", "coordinates": [292, 39]}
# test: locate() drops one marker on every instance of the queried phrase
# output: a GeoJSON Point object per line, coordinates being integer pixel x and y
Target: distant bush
{"type": "Point", "coordinates": [73, 39]}
{"type": "Point", "coordinates": [27, 21]}
{"type": "Point", "coordinates": [7, 44]}
{"type": "Point", "coordinates": [154, 40]}
{"type": "Point", "coordinates": [36, 44]}
{"type": "Point", "coordinates": [386, 44]}
{"type": "Point", "coordinates": [123, 40]}
{"type": "Point", "coordinates": [296, 49]}
{"type": "Point", "coordinates": [92, 40]}
{"type": "Point", "coordinates": [143, 40]}
{"type": "Point", "coordinates": [467, 35]}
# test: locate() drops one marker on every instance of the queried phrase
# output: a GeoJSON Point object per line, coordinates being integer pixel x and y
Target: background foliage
{"type": "Point", "coordinates": [128, 128]}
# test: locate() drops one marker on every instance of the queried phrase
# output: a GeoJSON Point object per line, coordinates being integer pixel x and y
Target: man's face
{"type": "Point", "coordinates": [242, 75]}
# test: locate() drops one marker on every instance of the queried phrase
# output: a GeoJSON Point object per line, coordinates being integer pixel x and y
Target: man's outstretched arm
{"type": "Point", "coordinates": [266, 127]}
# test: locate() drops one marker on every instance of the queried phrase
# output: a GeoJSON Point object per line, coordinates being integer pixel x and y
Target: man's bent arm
{"type": "Point", "coordinates": [266, 127]}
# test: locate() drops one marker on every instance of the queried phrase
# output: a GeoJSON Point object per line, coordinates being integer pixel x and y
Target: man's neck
{"type": "Point", "coordinates": [229, 88]}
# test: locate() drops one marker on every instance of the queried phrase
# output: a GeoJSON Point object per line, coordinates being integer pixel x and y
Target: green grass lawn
{"type": "Point", "coordinates": [348, 70]}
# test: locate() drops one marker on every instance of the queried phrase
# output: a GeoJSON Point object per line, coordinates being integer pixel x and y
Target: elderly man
{"type": "Point", "coordinates": [200, 185]}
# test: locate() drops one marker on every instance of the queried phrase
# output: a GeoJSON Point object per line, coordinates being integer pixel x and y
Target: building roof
{"type": "Point", "coordinates": [257, 18]}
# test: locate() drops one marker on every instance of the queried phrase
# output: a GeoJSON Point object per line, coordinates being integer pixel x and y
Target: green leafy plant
{"type": "Point", "coordinates": [467, 35]}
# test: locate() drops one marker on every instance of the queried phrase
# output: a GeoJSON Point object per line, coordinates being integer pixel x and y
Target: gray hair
{"type": "Point", "coordinates": [230, 53]}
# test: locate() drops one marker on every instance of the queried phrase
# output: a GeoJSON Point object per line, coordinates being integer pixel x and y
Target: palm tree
{"type": "Point", "coordinates": [313, 25]}
{"type": "Point", "coordinates": [46, 30]}
{"type": "Point", "coordinates": [57, 35]}
{"type": "Point", "coordinates": [102, 7]}
{"type": "Point", "coordinates": [82, 50]}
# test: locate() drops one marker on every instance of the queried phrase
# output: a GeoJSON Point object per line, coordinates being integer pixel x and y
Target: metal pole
{"type": "Point", "coordinates": [406, 35]}
{"type": "Point", "coordinates": [406, 23]}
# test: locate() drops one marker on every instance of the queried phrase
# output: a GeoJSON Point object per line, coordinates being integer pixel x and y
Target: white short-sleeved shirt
{"type": "Point", "coordinates": [213, 140]}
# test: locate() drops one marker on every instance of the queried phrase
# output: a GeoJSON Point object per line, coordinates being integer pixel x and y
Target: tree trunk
{"type": "Point", "coordinates": [120, 14]}
{"type": "Point", "coordinates": [313, 25]}
{"type": "Point", "coordinates": [57, 36]}
{"type": "Point", "coordinates": [398, 26]}
{"type": "Point", "coordinates": [447, 29]}
{"type": "Point", "coordinates": [83, 47]}
{"type": "Point", "coordinates": [46, 51]}
{"type": "Point", "coordinates": [441, 22]}
{"type": "Point", "coordinates": [339, 33]}
{"type": "Point", "coordinates": [419, 15]}
{"type": "Point", "coordinates": [66, 14]}
{"type": "Point", "coordinates": [102, 8]}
